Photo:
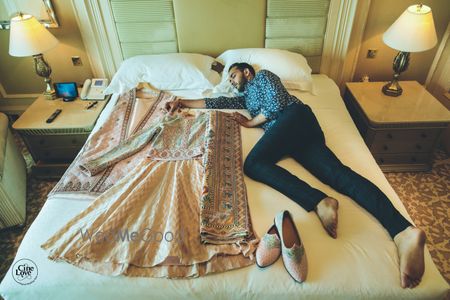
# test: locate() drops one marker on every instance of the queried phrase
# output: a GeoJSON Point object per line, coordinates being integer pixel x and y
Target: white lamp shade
{"type": "Point", "coordinates": [29, 37]}
{"type": "Point", "coordinates": [413, 31]}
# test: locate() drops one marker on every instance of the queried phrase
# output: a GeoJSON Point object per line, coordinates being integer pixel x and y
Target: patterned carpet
{"type": "Point", "coordinates": [426, 196]}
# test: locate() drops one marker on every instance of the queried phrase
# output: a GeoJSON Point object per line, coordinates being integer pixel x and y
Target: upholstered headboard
{"type": "Point", "coordinates": [145, 27]}
{"type": "Point", "coordinates": [114, 30]}
{"type": "Point", "coordinates": [298, 26]}
{"type": "Point", "coordinates": [213, 26]}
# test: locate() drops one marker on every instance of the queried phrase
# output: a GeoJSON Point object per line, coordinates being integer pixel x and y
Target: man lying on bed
{"type": "Point", "coordinates": [291, 129]}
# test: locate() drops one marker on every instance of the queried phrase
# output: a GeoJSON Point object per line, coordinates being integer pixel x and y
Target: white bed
{"type": "Point", "coordinates": [361, 263]}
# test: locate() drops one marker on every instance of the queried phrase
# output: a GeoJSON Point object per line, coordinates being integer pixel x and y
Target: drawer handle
{"type": "Point", "coordinates": [418, 147]}
{"type": "Point", "coordinates": [381, 160]}
{"type": "Point", "coordinates": [423, 135]}
{"type": "Point", "coordinates": [385, 148]}
{"type": "Point", "coordinates": [389, 136]}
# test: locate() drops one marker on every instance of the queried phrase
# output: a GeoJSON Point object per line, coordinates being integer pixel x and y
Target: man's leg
{"type": "Point", "coordinates": [260, 164]}
{"type": "Point", "coordinates": [410, 241]}
{"type": "Point", "coordinates": [322, 163]}
{"type": "Point", "coordinates": [312, 152]}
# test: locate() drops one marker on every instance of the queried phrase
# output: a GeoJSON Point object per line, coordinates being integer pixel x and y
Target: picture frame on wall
{"type": "Point", "coordinates": [40, 9]}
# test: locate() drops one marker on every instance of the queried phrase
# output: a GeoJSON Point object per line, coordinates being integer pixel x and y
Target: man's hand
{"type": "Point", "coordinates": [179, 103]}
{"type": "Point", "coordinates": [173, 106]}
{"type": "Point", "coordinates": [242, 120]}
{"type": "Point", "coordinates": [256, 121]}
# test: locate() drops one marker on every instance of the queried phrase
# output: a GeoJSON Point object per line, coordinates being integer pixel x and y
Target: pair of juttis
{"type": "Point", "coordinates": [171, 196]}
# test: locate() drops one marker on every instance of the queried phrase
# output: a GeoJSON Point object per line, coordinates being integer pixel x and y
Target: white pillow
{"type": "Point", "coordinates": [172, 71]}
{"type": "Point", "coordinates": [292, 68]}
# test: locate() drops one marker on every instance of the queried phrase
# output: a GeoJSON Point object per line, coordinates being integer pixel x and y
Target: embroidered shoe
{"type": "Point", "coordinates": [269, 248]}
{"type": "Point", "coordinates": [292, 250]}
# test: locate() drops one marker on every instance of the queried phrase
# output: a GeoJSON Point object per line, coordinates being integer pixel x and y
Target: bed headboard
{"type": "Point", "coordinates": [213, 26]}
{"type": "Point", "coordinates": [144, 27]}
{"type": "Point", "coordinates": [298, 26]}
{"type": "Point", "coordinates": [114, 30]}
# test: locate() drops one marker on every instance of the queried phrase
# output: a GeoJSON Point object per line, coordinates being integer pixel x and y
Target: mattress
{"type": "Point", "coordinates": [361, 263]}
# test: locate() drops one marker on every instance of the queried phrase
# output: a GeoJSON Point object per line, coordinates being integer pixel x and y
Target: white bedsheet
{"type": "Point", "coordinates": [361, 263]}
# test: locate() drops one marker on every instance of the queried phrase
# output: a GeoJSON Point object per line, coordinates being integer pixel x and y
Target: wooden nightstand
{"type": "Point", "coordinates": [401, 132]}
{"type": "Point", "coordinates": [55, 145]}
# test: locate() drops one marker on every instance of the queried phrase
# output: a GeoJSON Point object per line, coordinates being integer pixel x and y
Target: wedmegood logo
{"type": "Point", "coordinates": [24, 271]}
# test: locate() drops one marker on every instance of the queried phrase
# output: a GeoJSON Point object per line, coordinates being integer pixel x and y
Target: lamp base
{"type": "Point", "coordinates": [400, 64]}
{"type": "Point", "coordinates": [50, 95]}
{"type": "Point", "coordinates": [392, 89]}
{"type": "Point", "coordinates": [43, 69]}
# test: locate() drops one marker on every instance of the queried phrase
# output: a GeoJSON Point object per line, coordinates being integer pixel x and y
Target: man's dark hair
{"type": "Point", "coordinates": [242, 66]}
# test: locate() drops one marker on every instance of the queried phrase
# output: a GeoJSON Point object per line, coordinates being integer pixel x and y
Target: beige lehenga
{"type": "Point", "coordinates": [161, 219]}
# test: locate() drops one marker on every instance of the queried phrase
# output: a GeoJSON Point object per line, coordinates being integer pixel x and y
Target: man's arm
{"type": "Point", "coordinates": [172, 106]}
{"type": "Point", "coordinates": [256, 121]}
{"type": "Point", "coordinates": [237, 102]}
{"type": "Point", "coordinates": [197, 103]}
{"type": "Point", "coordinates": [210, 103]}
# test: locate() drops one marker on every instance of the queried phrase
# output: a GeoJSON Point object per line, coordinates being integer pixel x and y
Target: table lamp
{"type": "Point", "coordinates": [28, 37]}
{"type": "Point", "coordinates": [413, 31]}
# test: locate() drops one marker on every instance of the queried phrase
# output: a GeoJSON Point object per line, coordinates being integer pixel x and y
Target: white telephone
{"type": "Point", "coordinates": [93, 89]}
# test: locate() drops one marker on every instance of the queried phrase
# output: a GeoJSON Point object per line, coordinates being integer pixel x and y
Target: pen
{"type": "Point", "coordinates": [92, 105]}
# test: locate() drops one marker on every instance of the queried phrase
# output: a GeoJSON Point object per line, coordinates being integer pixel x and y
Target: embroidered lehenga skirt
{"type": "Point", "coordinates": [180, 210]}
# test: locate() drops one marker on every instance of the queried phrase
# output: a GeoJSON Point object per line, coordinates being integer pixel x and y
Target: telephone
{"type": "Point", "coordinates": [93, 89]}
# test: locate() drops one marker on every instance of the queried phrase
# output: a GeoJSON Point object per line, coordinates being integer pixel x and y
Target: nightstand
{"type": "Point", "coordinates": [401, 132]}
{"type": "Point", "coordinates": [53, 146]}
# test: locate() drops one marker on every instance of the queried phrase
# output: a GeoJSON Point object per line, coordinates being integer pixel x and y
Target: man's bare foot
{"type": "Point", "coordinates": [327, 212]}
{"type": "Point", "coordinates": [410, 243]}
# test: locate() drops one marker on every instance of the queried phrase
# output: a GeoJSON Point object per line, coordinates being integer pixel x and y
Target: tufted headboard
{"type": "Point", "coordinates": [213, 26]}
{"type": "Point", "coordinates": [298, 26]}
{"type": "Point", "coordinates": [114, 30]}
{"type": "Point", "coordinates": [144, 27]}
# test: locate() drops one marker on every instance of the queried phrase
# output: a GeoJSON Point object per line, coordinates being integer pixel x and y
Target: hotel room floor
{"type": "Point", "coordinates": [426, 196]}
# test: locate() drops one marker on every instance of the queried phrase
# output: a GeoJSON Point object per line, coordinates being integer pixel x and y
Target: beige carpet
{"type": "Point", "coordinates": [426, 196]}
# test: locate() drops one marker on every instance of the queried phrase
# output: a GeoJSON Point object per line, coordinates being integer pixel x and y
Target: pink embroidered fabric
{"type": "Point", "coordinates": [174, 137]}
{"type": "Point", "coordinates": [180, 204]}
{"type": "Point", "coordinates": [113, 132]}
{"type": "Point", "coordinates": [224, 210]}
